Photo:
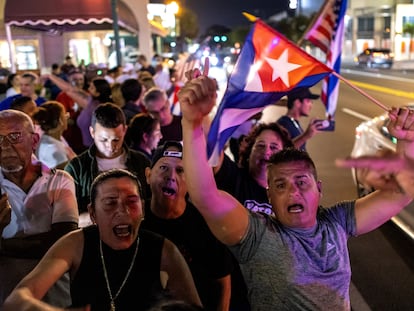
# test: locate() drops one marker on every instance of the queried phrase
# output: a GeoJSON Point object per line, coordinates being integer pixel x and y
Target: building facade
{"type": "Point", "coordinates": [36, 44]}
{"type": "Point", "coordinates": [379, 23]}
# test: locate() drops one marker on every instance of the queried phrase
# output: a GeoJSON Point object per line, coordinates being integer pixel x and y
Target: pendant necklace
{"type": "Point", "coordinates": [112, 298]}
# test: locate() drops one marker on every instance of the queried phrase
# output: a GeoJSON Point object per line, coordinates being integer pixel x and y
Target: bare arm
{"type": "Point", "coordinates": [62, 257]}
{"type": "Point", "coordinates": [226, 217]}
{"type": "Point", "coordinates": [311, 130]}
{"type": "Point", "coordinates": [392, 165]}
{"type": "Point", "coordinates": [378, 207]}
{"type": "Point", "coordinates": [180, 281]}
{"type": "Point", "coordinates": [79, 96]}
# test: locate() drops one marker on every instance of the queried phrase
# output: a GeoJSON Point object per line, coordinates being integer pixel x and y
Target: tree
{"type": "Point", "coordinates": [189, 27]}
{"type": "Point", "coordinates": [292, 28]}
{"type": "Point", "coordinates": [408, 28]}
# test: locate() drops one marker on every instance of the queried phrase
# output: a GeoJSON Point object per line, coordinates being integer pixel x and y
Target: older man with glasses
{"type": "Point", "coordinates": [37, 205]}
{"type": "Point", "coordinates": [158, 105]}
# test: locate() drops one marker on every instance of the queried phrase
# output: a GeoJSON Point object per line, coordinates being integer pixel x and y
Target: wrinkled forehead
{"type": "Point", "coordinates": [291, 169]}
{"type": "Point", "coordinates": [15, 124]}
{"type": "Point", "coordinates": [116, 185]}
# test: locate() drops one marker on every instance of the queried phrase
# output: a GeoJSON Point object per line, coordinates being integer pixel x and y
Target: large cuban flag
{"type": "Point", "coordinates": [268, 67]}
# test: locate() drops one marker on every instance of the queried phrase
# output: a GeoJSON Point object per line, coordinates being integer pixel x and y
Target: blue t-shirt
{"type": "Point", "coordinates": [298, 269]}
{"type": "Point", "coordinates": [6, 103]}
{"type": "Point", "coordinates": [293, 127]}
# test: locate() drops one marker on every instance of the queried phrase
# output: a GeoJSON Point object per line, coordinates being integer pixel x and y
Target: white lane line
{"type": "Point", "coordinates": [356, 114]}
{"type": "Point", "coordinates": [377, 75]}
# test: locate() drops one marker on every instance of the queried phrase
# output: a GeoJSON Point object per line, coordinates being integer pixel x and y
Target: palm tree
{"type": "Point", "coordinates": [409, 29]}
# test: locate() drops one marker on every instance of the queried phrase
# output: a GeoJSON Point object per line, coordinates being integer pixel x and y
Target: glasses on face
{"type": "Point", "coordinates": [161, 110]}
{"type": "Point", "coordinates": [13, 138]}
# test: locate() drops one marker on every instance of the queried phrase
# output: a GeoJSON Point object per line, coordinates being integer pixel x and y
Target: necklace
{"type": "Point", "coordinates": [125, 278]}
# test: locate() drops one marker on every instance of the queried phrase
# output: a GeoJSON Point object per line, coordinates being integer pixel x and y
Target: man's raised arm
{"type": "Point", "coordinates": [226, 217]}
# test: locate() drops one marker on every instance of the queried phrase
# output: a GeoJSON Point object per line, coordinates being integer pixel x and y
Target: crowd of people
{"type": "Point", "coordinates": [108, 201]}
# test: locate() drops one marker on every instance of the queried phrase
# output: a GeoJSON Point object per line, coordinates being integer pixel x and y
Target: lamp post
{"type": "Point", "coordinates": [172, 9]}
{"type": "Point", "coordinates": [116, 32]}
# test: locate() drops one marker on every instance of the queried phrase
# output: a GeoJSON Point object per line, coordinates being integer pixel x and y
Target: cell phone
{"type": "Point", "coordinates": [327, 125]}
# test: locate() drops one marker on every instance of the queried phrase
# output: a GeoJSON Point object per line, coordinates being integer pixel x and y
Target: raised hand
{"type": "Point", "coordinates": [198, 96]}
{"type": "Point", "coordinates": [401, 124]}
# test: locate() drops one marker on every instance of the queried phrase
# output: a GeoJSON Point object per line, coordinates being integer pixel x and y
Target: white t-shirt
{"type": "Point", "coordinates": [51, 151]}
{"type": "Point", "coordinates": [51, 199]}
{"type": "Point", "coordinates": [107, 164]}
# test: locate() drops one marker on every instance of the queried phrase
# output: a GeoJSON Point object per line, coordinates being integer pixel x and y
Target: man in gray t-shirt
{"type": "Point", "coordinates": [298, 259]}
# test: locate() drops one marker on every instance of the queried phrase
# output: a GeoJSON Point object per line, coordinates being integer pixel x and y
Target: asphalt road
{"type": "Point", "coordinates": [382, 261]}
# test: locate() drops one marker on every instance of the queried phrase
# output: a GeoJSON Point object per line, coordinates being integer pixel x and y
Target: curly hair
{"type": "Point", "coordinates": [255, 132]}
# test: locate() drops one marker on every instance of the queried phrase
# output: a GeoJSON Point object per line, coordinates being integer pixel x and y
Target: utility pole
{"type": "Point", "coordinates": [116, 32]}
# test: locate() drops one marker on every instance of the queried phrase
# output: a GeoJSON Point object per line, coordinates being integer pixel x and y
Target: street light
{"type": "Point", "coordinates": [172, 9]}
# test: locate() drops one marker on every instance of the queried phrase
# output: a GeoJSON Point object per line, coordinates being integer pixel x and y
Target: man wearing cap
{"type": "Point", "coordinates": [299, 104]}
{"type": "Point", "coordinates": [171, 215]}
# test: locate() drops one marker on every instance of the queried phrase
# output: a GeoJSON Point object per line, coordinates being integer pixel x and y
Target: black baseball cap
{"type": "Point", "coordinates": [302, 93]}
{"type": "Point", "coordinates": [162, 151]}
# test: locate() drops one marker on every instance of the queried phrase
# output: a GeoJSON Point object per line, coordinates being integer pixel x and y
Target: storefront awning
{"type": "Point", "coordinates": [68, 15]}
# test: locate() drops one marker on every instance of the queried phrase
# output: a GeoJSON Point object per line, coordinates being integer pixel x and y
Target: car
{"type": "Point", "coordinates": [370, 136]}
{"type": "Point", "coordinates": [375, 57]}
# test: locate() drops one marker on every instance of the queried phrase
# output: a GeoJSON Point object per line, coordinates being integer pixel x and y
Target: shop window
{"type": "Point", "coordinates": [26, 57]}
{"type": "Point", "coordinates": [365, 27]}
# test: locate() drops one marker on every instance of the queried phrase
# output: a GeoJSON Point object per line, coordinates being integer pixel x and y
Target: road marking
{"type": "Point", "coordinates": [382, 89]}
{"type": "Point", "coordinates": [356, 114]}
{"type": "Point", "coordinates": [376, 75]}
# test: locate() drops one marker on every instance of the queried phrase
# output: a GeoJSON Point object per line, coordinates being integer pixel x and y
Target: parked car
{"type": "Point", "coordinates": [374, 57]}
{"type": "Point", "coordinates": [371, 136]}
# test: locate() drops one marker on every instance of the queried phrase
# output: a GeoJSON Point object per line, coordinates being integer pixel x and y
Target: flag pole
{"type": "Point", "coordinates": [347, 82]}
{"type": "Point", "coordinates": [313, 21]}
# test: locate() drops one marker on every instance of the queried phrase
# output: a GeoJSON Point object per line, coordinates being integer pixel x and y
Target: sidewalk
{"type": "Point", "coordinates": [403, 64]}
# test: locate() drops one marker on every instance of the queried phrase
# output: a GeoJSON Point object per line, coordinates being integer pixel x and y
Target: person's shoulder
{"type": "Point", "coordinates": [40, 100]}
{"type": "Point", "coordinates": [177, 118]}
{"type": "Point", "coordinates": [5, 103]}
{"type": "Point", "coordinates": [283, 119]}
{"type": "Point", "coordinates": [138, 156]}
{"type": "Point", "coordinates": [57, 174]}
{"type": "Point", "coordinates": [79, 161]}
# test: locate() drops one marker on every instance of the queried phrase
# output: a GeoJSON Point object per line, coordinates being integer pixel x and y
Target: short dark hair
{"type": "Point", "coordinates": [288, 155]}
{"type": "Point", "coordinates": [152, 94]}
{"type": "Point", "coordinates": [10, 79]}
{"type": "Point", "coordinates": [112, 173]}
{"type": "Point", "coordinates": [19, 102]}
{"type": "Point", "coordinates": [104, 89]}
{"type": "Point", "coordinates": [30, 75]}
{"type": "Point", "coordinates": [108, 115]}
{"type": "Point", "coordinates": [255, 132]}
{"type": "Point", "coordinates": [131, 90]}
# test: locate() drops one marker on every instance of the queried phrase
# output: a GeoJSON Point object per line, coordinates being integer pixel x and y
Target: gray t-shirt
{"type": "Point", "coordinates": [298, 269]}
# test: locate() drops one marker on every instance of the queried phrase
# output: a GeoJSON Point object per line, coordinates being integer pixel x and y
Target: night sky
{"type": "Point", "coordinates": [229, 12]}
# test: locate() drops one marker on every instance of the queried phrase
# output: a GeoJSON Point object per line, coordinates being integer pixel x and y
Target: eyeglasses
{"type": "Point", "coordinates": [13, 138]}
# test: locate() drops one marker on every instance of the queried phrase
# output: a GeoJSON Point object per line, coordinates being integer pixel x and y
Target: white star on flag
{"type": "Point", "coordinates": [281, 67]}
